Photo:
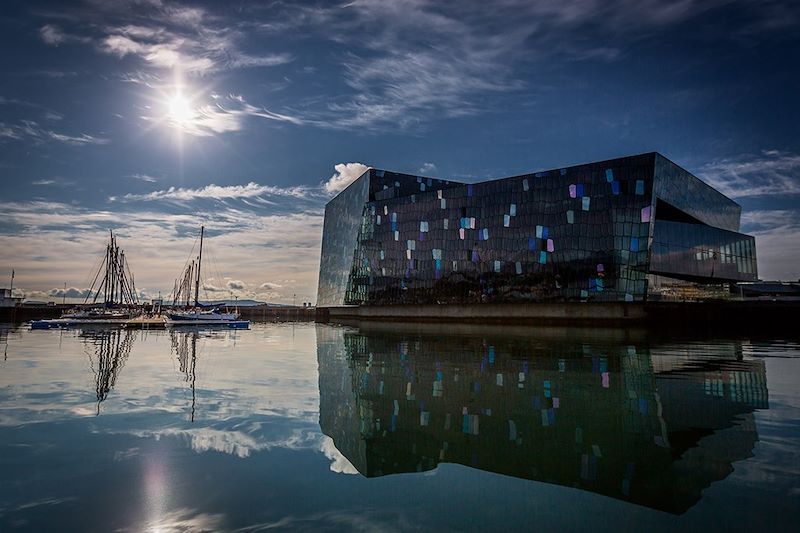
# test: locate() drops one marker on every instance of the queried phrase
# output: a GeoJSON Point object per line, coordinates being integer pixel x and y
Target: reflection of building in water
{"type": "Point", "coordinates": [4, 342]}
{"type": "Point", "coordinates": [110, 350]}
{"type": "Point", "coordinates": [184, 345]}
{"type": "Point", "coordinates": [647, 425]}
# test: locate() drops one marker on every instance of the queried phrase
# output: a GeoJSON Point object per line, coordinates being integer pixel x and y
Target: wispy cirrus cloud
{"type": "Point", "coordinates": [771, 173]}
{"type": "Point", "coordinates": [47, 113]}
{"type": "Point", "coordinates": [219, 192]}
{"type": "Point", "coordinates": [776, 232]}
{"type": "Point", "coordinates": [760, 219]}
{"type": "Point", "coordinates": [163, 35]}
{"type": "Point", "coordinates": [54, 36]}
{"type": "Point", "coordinates": [424, 59]}
{"type": "Point", "coordinates": [57, 182]}
{"type": "Point", "coordinates": [447, 58]}
{"type": "Point", "coordinates": [222, 114]}
{"type": "Point", "coordinates": [29, 129]}
{"type": "Point", "coordinates": [344, 175]}
{"type": "Point", "coordinates": [144, 177]}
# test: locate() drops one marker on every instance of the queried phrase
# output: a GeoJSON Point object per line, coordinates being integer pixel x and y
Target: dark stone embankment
{"type": "Point", "coordinates": [737, 316]}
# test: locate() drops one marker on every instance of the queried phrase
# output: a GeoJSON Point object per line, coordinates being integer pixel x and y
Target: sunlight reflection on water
{"type": "Point", "coordinates": [162, 430]}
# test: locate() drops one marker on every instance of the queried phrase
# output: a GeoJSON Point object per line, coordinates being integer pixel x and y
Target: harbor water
{"type": "Point", "coordinates": [389, 427]}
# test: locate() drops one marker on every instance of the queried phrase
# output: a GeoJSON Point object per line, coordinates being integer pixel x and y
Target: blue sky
{"type": "Point", "coordinates": [151, 117]}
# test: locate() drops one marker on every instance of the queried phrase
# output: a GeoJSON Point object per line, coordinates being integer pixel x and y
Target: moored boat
{"type": "Point", "coordinates": [194, 314]}
{"type": "Point", "coordinates": [119, 302]}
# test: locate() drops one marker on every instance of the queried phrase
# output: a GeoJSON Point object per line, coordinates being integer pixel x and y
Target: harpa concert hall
{"type": "Point", "coordinates": [625, 230]}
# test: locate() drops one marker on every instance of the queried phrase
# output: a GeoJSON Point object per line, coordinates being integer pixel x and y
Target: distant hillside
{"type": "Point", "coordinates": [241, 303]}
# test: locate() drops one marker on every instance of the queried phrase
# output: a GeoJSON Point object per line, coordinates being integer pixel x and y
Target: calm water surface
{"type": "Point", "coordinates": [396, 428]}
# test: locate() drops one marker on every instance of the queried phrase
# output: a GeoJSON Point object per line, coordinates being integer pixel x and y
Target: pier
{"type": "Point", "coordinates": [262, 313]}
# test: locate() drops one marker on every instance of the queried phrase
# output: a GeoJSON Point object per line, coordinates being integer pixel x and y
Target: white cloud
{"type": "Point", "coordinates": [775, 232]}
{"type": "Point", "coordinates": [165, 36]}
{"type": "Point", "coordinates": [444, 58]}
{"type": "Point", "coordinates": [83, 138]}
{"type": "Point", "coordinates": [31, 130]}
{"type": "Point", "coordinates": [236, 443]}
{"type": "Point", "coordinates": [51, 34]}
{"type": "Point", "coordinates": [54, 36]}
{"type": "Point", "coordinates": [212, 288]}
{"type": "Point", "coordinates": [427, 168]}
{"type": "Point", "coordinates": [773, 173]}
{"type": "Point", "coordinates": [55, 242]}
{"type": "Point", "coordinates": [162, 55]}
{"type": "Point", "coordinates": [249, 61]}
{"type": "Point", "coordinates": [221, 115]}
{"type": "Point", "coordinates": [70, 292]}
{"type": "Point", "coordinates": [144, 177]}
{"type": "Point", "coordinates": [770, 218]}
{"type": "Point", "coordinates": [236, 285]}
{"type": "Point", "coordinates": [339, 463]}
{"type": "Point", "coordinates": [346, 173]}
{"type": "Point", "coordinates": [57, 182]}
{"type": "Point", "coordinates": [219, 192]}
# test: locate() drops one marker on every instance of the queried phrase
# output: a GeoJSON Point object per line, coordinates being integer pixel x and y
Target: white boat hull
{"type": "Point", "coordinates": [199, 322]}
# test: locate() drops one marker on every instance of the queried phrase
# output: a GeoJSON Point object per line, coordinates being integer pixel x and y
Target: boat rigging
{"type": "Point", "coordinates": [117, 284]}
{"type": "Point", "coordinates": [195, 314]}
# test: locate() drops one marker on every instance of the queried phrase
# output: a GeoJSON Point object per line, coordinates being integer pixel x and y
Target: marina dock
{"type": "Point", "coordinates": [156, 322]}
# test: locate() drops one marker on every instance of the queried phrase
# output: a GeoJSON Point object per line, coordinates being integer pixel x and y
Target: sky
{"type": "Point", "coordinates": [154, 117]}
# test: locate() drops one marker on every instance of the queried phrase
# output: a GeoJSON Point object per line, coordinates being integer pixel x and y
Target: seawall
{"type": "Point", "coordinates": [748, 315]}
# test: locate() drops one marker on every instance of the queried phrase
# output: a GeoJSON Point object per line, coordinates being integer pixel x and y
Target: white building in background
{"type": "Point", "coordinates": [6, 300]}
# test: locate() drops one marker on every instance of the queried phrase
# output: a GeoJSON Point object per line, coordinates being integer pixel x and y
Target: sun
{"type": "Point", "coordinates": [180, 109]}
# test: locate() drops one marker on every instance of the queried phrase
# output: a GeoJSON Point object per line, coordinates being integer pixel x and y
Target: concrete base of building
{"type": "Point", "coordinates": [497, 313]}
{"type": "Point", "coordinates": [737, 315]}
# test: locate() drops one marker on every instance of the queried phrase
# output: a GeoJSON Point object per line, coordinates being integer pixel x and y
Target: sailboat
{"type": "Point", "coordinates": [115, 285]}
{"type": "Point", "coordinates": [196, 315]}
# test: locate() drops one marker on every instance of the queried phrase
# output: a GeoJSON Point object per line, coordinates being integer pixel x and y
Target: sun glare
{"type": "Point", "coordinates": [180, 109]}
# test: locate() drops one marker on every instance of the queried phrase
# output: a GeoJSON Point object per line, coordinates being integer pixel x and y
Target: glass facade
{"type": "Point", "coordinates": [343, 216]}
{"type": "Point", "coordinates": [581, 233]}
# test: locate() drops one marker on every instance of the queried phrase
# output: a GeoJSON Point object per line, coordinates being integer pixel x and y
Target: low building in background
{"type": "Point", "coordinates": [7, 300]}
{"type": "Point", "coordinates": [626, 229]}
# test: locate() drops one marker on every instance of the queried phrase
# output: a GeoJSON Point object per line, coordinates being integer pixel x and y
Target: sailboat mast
{"type": "Point", "coordinates": [199, 261]}
{"type": "Point", "coordinates": [107, 281]}
{"type": "Point", "coordinates": [112, 272]}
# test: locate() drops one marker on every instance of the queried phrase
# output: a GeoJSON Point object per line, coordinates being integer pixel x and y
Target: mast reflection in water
{"type": "Point", "coordinates": [653, 424]}
{"type": "Point", "coordinates": [184, 346]}
{"type": "Point", "coordinates": [108, 350]}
